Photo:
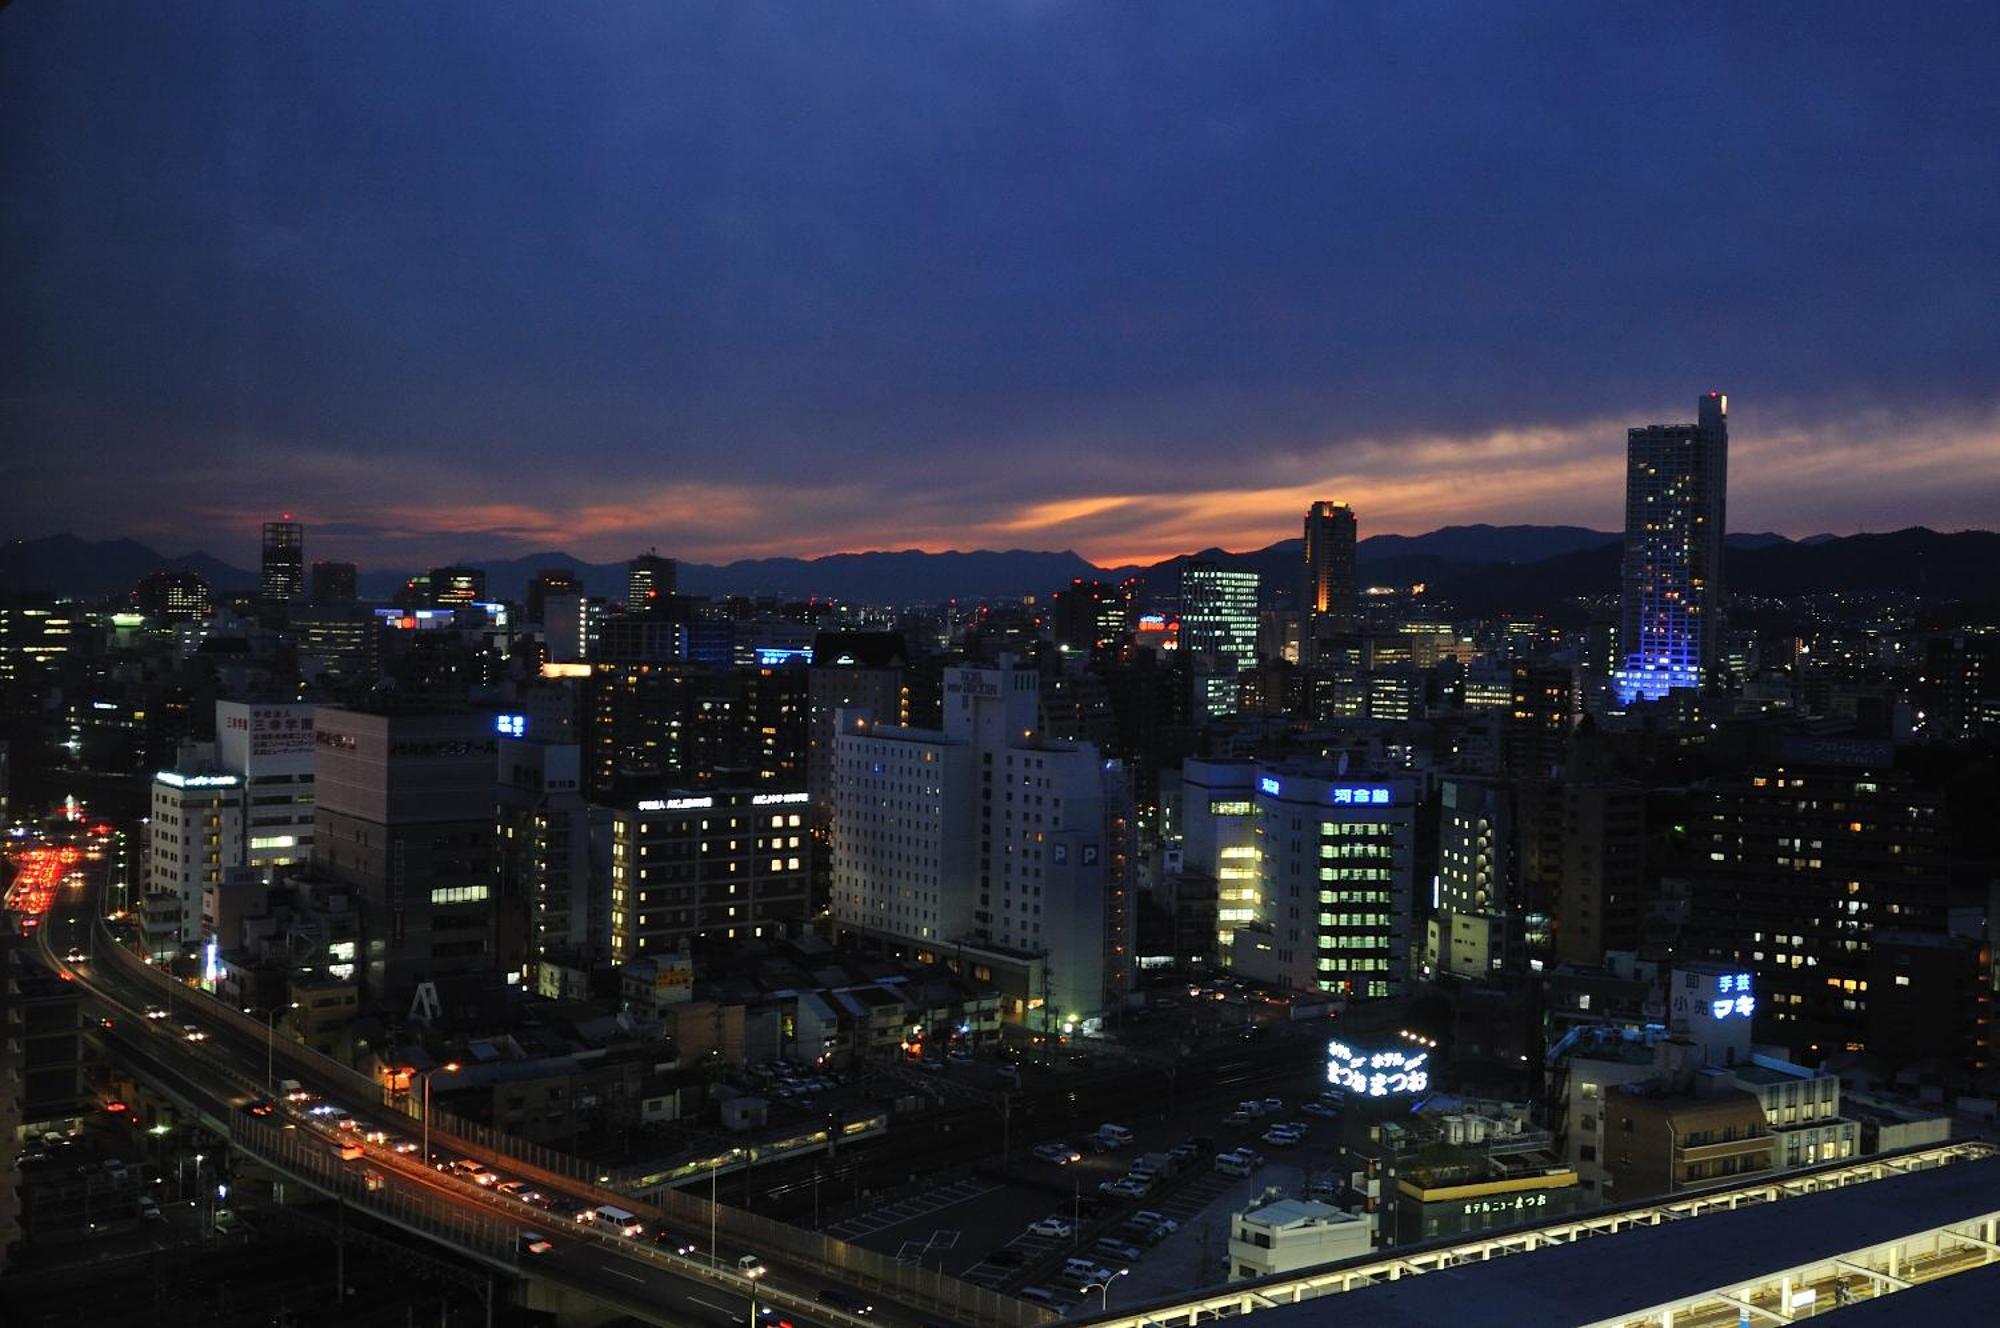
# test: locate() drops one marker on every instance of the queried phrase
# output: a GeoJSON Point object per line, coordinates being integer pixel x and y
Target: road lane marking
{"type": "Point", "coordinates": [697, 1300]}
{"type": "Point", "coordinates": [617, 1272]}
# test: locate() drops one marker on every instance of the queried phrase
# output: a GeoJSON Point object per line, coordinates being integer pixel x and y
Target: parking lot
{"type": "Point", "coordinates": [979, 1226]}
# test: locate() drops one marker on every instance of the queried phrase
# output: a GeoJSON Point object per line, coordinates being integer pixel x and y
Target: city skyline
{"type": "Point", "coordinates": [1026, 278]}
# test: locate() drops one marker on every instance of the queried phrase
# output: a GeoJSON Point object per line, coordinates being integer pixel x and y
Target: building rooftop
{"type": "Point", "coordinates": [1624, 1275]}
{"type": "Point", "coordinates": [1298, 1213]}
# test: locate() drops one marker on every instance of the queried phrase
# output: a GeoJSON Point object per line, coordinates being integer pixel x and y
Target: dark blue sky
{"type": "Point", "coordinates": [735, 279]}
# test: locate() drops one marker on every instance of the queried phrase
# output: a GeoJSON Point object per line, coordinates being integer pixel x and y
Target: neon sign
{"type": "Point", "coordinates": [1734, 997]}
{"type": "Point", "coordinates": [1377, 1073]}
{"type": "Point", "coordinates": [1361, 796]}
{"type": "Point", "coordinates": [674, 804]}
{"type": "Point", "coordinates": [511, 726]}
{"type": "Point", "coordinates": [1268, 785]}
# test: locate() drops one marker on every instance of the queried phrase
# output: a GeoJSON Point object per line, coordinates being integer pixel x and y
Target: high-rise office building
{"type": "Point", "coordinates": [269, 747]}
{"type": "Point", "coordinates": [985, 845]}
{"type": "Point", "coordinates": [405, 814]}
{"type": "Point", "coordinates": [550, 582]}
{"type": "Point", "coordinates": [1541, 714]}
{"type": "Point", "coordinates": [194, 835]}
{"type": "Point", "coordinates": [173, 596]}
{"type": "Point", "coordinates": [1478, 898]}
{"type": "Point", "coordinates": [719, 864]}
{"type": "Point", "coordinates": [1219, 611]}
{"type": "Point", "coordinates": [1804, 861]}
{"type": "Point", "coordinates": [650, 583]}
{"type": "Point", "coordinates": [457, 587]}
{"type": "Point", "coordinates": [284, 561]}
{"type": "Point", "coordinates": [547, 887]}
{"type": "Point", "coordinates": [1091, 617]}
{"type": "Point", "coordinates": [1330, 589]}
{"type": "Point", "coordinates": [333, 584]}
{"type": "Point", "coordinates": [1336, 872]}
{"type": "Point", "coordinates": [1676, 478]}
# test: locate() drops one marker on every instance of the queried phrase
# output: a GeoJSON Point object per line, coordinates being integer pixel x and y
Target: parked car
{"type": "Point", "coordinates": [1117, 1249]}
{"type": "Point", "coordinates": [1083, 1272]}
{"type": "Point", "coordinates": [1319, 1109]}
{"type": "Point", "coordinates": [1053, 1227]}
{"type": "Point", "coordinates": [1153, 1218]}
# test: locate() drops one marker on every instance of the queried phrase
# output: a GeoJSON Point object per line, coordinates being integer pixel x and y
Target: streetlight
{"type": "Point", "coordinates": [270, 1013]}
{"type": "Point", "coordinates": [1104, 1289]}
{"type": "Point", "coordinates": [449, 1067]}
{"type": "Point", "coordinates": [751, 1275]}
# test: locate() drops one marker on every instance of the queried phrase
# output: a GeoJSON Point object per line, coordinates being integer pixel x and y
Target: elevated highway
{"type": "Point", "coordinates": [216, 1063]}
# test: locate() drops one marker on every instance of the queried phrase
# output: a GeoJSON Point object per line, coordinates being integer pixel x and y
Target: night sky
{"type": "Point", "coordinates": [448, 280]}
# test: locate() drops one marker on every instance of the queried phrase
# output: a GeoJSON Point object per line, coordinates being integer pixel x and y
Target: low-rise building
{"type": "Point", "coordinates": [1291, 1234]}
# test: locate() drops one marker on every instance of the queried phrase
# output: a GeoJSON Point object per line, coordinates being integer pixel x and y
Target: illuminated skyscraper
{"type": "Point", "coordinates": [650, 582]}
{"type": "Point", "coordinates": [284, 561]}
{"type": "Point", "coordinates": [1676, 476]}
{"type": "Point", "coordinates": [1330, 589]}
{"type": "Point", "coordinates": [1219, 611]}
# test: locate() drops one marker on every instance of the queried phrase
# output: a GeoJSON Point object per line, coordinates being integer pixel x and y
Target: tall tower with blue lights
{"type": "Point", "coordinates": [1676, 476]}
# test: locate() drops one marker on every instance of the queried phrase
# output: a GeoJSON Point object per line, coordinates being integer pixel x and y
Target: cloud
{"type": "Point", "coordinates": [757, 278]}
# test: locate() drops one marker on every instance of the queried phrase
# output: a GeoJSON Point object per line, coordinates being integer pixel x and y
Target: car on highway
{"type": "Point", "coordinates": [842, 1299]}
{"type": "Point", "coordinates": [674, 1243]}
{"type": "Point", "coordinates": [750, 1265]}
{"type": "Point", "coordinates": [193, 1034]}
{"type": "Point", "coordinates": [405, 1146]}
{"type": "Point", "coordinates": [1052, 1227]}
{"type": "Point", "coordinates": [75, 956]}
{"type": "Point", "coordinates": [260, 1108]}
{"type": "Point", "coordinates": [155, 1012]}
{"type": "Point", "coordinates": [534, 1242]}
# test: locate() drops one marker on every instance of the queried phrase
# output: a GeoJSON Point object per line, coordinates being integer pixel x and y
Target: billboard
{"type": "Point", "coordinates": [264, 738]}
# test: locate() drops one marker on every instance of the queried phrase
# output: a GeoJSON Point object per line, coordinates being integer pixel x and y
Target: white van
{"type": "Point", "coordinates": [618, 1220]}
{"type": "Point", "coordinates": [1114, 1136]}
{"type": "Point", "coordinates": [1232, 1164]}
